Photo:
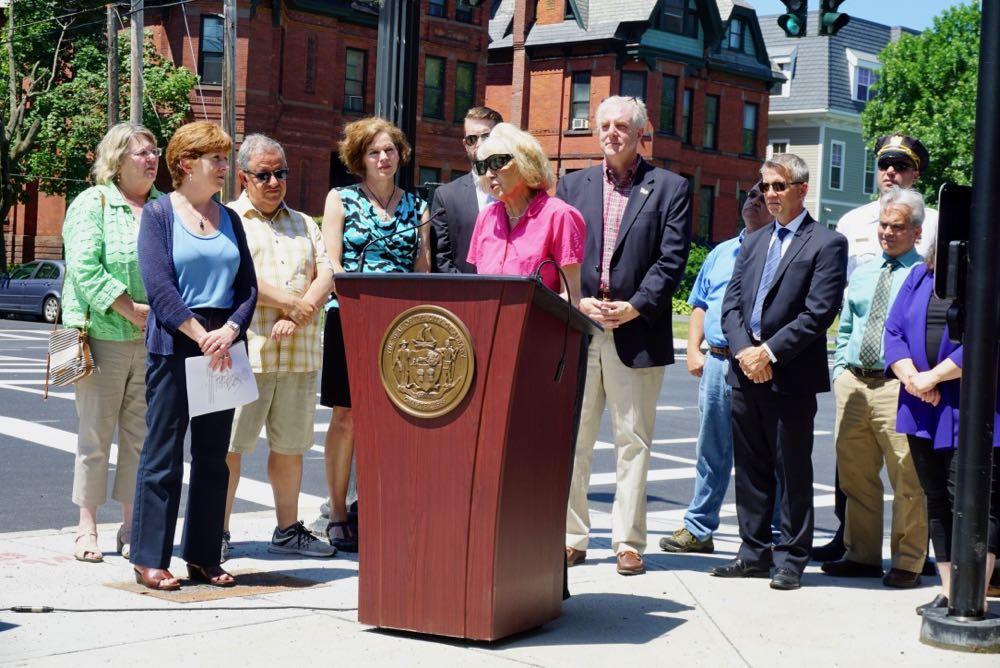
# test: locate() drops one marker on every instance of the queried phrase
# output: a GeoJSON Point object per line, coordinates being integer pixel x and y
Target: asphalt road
{"type": "Point", "coordinates": [37, 441]}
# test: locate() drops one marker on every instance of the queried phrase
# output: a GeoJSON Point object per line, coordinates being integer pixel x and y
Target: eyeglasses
{"type": "Point", "coordinates": [896, 163]}
{"type": "Point", "coordinates": [494, 162]}
{"type": "Point", "coordinates": [779, 186]}
{"type": "Point", "coordinates": [472, 140]}
{"type": "Point", "coordinates": [148, 153]}
{"type": "Point", "coordinates": [265, 177]}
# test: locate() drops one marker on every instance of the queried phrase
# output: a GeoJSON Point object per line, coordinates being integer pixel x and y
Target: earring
{"type": "Point", "coordinates": [190, 176]}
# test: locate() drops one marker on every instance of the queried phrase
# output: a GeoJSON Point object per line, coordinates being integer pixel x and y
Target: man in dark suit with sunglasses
{"type": "Point", "coordinates": [638, 234]}
{"type": "Point", "coordinates": [462, 200]}
{"type": "Point", "coordinates": [785, 292]}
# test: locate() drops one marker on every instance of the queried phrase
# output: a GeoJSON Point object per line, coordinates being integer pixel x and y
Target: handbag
{"type": "Point", "coordinates": [69, 358]}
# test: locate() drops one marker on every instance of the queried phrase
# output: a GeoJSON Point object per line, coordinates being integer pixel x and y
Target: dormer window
{"type": "Point", "coordinates": [864, 69]}
{"type": "Point", "coordinates": [679, 17]}
{"type": "Point", "coordinates": [735, 34]}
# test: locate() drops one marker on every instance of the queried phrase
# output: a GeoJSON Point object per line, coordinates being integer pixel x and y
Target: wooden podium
{"type": "Point", "coordinates": [463, 515]}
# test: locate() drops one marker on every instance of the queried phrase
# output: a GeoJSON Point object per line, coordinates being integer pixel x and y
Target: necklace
{"type": "Point", "coordinates": [384, 205]}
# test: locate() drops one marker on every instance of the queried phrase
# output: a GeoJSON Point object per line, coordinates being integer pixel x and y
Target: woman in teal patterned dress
{"type": "Point", "coordinates": [372, 149]}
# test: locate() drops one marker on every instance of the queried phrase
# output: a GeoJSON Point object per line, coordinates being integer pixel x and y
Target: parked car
{"type": "Point", "coordinates": [34, 288]}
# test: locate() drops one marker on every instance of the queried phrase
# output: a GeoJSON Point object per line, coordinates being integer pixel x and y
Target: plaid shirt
{"type": "Point", "coordinates": [287, 252]}
{"type": "Point", "coordinates": [616, 194]}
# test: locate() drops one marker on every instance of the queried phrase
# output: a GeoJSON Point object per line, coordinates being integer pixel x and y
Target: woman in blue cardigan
{"type": "Point", "coordinates": [202, 289]}
{"type": "Point", "coordinates": [916, 333]}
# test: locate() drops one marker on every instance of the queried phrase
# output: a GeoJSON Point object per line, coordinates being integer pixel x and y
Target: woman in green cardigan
{"type": "Point", "coordinates": [104, 293]}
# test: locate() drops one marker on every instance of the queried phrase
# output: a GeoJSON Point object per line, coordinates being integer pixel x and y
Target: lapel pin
{"type": "Point", "coordinates": [643, 191]}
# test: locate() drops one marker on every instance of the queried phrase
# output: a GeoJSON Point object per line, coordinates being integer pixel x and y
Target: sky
{"type": "Point", "coordinates": [916, 14]}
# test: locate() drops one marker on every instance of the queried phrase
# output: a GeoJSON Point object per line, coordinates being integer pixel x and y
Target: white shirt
{"type": "Point", "coordinates": [484, 198]}
{"type": "Point", "coordinates": [860, 226]}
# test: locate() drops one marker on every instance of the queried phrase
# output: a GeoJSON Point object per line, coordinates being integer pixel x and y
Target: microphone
{"type": "Point", "coordinates": [364, 249]}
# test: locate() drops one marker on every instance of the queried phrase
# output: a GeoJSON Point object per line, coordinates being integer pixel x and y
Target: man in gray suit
{"type": "Point", "coordinates": [462, 200]}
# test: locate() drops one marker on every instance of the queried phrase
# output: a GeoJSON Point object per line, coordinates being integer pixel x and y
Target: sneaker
{"type": "Point", "coordinates": [683, 540]}
{"type": "Point", "coordinates": [296, 539]}
{"type": "Point", "coordinates": [226, 547]}
{"type": "Point", "coordinates": [343, 536]}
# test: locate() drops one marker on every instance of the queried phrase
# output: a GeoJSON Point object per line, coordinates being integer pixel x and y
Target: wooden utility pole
{"type": "Point", "coordinates": [135, 115]}
{"type": "Point", "coordinates": [112, 29]}
{"type": "Point", "coordinates": [229, 92]}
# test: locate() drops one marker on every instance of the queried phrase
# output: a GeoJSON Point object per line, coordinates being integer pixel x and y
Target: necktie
{"type": "Point", "coordinates": [870, 354]}
{"type": "Point", "coordinates": [770, 266]}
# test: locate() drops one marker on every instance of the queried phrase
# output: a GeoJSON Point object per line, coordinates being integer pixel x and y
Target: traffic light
{"type": "Point", "coordinates": [794, 21]}
{"type": "Point", "coordinates": [830, 20]}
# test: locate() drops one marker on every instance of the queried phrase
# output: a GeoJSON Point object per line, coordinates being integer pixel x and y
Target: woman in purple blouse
{"type": "Point", "coordinates": [916, 333]}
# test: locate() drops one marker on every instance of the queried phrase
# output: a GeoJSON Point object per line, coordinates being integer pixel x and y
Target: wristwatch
{"type": "Point", "coordinates": [233, 326]}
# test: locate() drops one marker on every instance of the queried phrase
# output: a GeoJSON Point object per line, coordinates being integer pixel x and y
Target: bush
{"type": "Point", "coordinates": [681, 307]}
{"type": "Point", "coordinates": [696, 258]}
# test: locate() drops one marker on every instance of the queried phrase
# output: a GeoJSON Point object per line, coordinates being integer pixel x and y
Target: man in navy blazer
{"type": "Point", "coordinates": [462, 199]}
{"type": "Point", "coordinates": [638, 234]}
{"type": "Point", "coordinates": [785, 292]}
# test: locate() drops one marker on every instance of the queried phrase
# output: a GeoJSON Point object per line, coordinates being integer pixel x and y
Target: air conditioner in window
{"type": "Point", "coordinates": [355, 102]}
{"type": "Point", "coordinates": [581, 124]}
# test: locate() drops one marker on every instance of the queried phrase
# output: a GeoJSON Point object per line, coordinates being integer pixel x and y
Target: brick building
{"type": "Point", "coordinates": [305, 68]}
{"type": "Point", "coordinates": [700, 65]}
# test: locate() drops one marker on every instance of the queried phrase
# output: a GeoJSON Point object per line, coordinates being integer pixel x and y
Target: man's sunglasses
{"type": "Point", "coordinates": [472, 140]}
{"type": "Point", "coordinates": [494, 162]}
{"type": "Point", "coordinates": [265, 177]}
{"type": "Point", "coordinates": [779, 186]}
{"type": "Point", "coordinates": [896, 163]}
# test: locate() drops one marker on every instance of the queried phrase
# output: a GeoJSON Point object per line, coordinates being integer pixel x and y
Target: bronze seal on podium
{"type": "Point", "coordinates": [426, 361]}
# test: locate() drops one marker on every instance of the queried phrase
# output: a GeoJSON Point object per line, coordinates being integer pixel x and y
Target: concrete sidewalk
{"type": "Point", "coordinates": [674, 615]}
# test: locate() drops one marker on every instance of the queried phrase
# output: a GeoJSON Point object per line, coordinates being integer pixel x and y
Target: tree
{"type": "Point", "coordinates": [55, 78]}
{"type": "Point", "coordinates": [927, 89]}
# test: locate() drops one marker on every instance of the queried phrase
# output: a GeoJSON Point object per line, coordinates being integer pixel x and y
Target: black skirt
{"type": "Point", "coordinates": [334, 387]}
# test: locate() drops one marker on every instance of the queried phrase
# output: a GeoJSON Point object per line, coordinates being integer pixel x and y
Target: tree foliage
{"type": "Point", "coordinates": [927, 89]}
{"type": "Point", "coordinates": [53, 76]}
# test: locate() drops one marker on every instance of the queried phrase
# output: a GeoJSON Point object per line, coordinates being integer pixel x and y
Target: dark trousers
{"type": "Point", "coordinates": [772, 444]}
{"type": "Point", "coordinates": [161, 469]}
{"type": "Point", "coordinates": [936, 470]}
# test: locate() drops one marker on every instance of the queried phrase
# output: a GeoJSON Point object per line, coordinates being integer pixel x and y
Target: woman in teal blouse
{"type": "Point", "coordinates": [104, 294]}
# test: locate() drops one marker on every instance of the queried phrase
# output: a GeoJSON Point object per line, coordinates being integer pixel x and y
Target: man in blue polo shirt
{"type": "Point", "coordinates": [715, 433]}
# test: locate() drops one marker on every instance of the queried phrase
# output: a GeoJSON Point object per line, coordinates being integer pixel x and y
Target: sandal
{"type": "Point", "coordinates": [87, 550]}
{"type": "Point", "coordinates": [124, 546]}
{"type": "Point", "coordinates": [211, 575]}
{"type": "Point", "coordinates": [154, 578]}
{"type": "Point", "coordinates": [347, 540]}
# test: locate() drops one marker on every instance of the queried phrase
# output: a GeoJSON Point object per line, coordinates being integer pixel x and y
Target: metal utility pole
{"type": "Point", "coordinates": [396, 73]}
{"type": "Point", "coordinates": [229, 92]}
{"type": "Point", "coordinates": [112, 29]}
{"type": "Point", "coordinates": [967, 625]}
{"type": "Point", "coordinates": [138, 8]}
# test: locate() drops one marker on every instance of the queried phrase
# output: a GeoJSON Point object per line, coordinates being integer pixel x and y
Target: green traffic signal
{"type": "Point", "coordinates": [830, 20]}
{"type": "Point", "coordinates": [794, 22]}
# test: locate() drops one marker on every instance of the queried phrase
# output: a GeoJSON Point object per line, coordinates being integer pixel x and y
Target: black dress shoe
{"type": "Point", "coordinates": [845, 568]}
{"type": "Point", "coordinates": [930, 567]}
{"type": "Point", "coordinates": [737, 568]}
{"type": "Point", "coordinates": [832, 551]}
{"type": "Point", "coordinates": [940, 601]}
{"type": "Point", "coordinates": [900, 579]}
{"type": "Point", "coordinates": [786, 579]}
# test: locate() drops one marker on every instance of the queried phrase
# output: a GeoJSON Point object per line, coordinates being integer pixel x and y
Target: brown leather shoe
{"type": "Point", "coordinates": [575, 557]}
{"type": "Point", "coordinates": [630, 563]}
{"type": "Point", "coordinates": [901, 579]}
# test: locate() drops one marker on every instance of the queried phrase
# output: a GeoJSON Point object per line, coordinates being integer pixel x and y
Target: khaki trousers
{"type": "Point", "coordinates": [630, 396]}
{"type": "Point", "coordinates": [113, 396]}
{"type": "Point", "coordinates": [867, 438]}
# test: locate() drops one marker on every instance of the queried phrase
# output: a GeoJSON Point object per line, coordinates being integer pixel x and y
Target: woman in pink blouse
{"type": "Point", "coordinates": [525, 227]}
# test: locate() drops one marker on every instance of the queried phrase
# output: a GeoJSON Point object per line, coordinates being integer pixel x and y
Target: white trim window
{"type": "Point", "coordinates": [863, 68]}
{"type": "Point", "coordinates": [868, 186]}
{"type": "Point", "coordinates": [777, 147]}
{"type": "Point", "coordinates": [786, 65]}
{"type": "Point", "coordinates": [837, 149]}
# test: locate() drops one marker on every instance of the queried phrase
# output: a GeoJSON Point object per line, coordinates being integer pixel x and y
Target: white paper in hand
{"type": "Point", "coordinates": [211, 391]}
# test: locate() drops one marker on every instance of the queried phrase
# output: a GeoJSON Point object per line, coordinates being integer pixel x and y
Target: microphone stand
{"type": "Point", "coordinates": [364, 249]}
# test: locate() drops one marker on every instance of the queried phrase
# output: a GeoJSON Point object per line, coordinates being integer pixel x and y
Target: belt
{"type": "Point", "coordinates": [719, 350]}
{"type": "Point", "coordinates": [867, 373]}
